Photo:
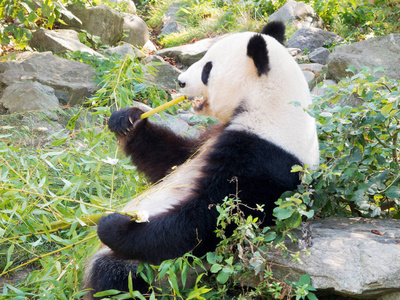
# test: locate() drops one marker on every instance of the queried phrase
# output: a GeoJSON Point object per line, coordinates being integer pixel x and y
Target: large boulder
{"type": "Point", "coordinates": [311, 38]}
{"type": "Point", "coordinates": [59, 41]}
{"type": "Point", "coordinates": [101, 21]}
{"type": "Point", "coordinates": [190, 53]}
{"type": "Point", "coordinates": [297, 14]}
{"type": "Point", "coordinates": [354, 257]}
{"type": "Point", "coordinates": [381, 51]}
{"type": "Point", "coordinates": [136, 31]}
{"type": "Point", "coordinates": [165, 74]}
{"type": "Point", "coordinates": [319, 55]}
{"type": "Point", "coordinates": [123, 50]}
{"type": "Point", "coordinates": [72, 81]}
{"type": "Point", "coordinates": [28, 95]}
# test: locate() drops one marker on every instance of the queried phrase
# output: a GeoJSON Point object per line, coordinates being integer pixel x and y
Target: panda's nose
{"type": "Point", "coordinates": [181, 84]}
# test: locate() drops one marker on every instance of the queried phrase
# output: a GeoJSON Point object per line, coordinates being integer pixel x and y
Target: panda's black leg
{"type": "Point", "coordinates": [108, 272]}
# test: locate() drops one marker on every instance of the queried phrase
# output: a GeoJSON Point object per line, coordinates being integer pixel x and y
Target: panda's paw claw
{"type": "Point", "coordinates": [123, 121]}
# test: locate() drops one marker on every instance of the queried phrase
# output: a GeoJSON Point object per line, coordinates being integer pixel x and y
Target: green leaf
{"type": "Point", "coordinates": [59, 142]}
{"type": "Point", "coordinates": [311, 296]}
{"type": "Point", "coordinates": [130, 282]}
{"type": "Point", "coordinates": [296, 168]}
{"type": "Point", "coordinates": [222, 277]}
{"type": "Point", "coordinates": [353, 3]}
{"type": "Point", "coordinates": [295, 220]}
{"type": "Point", "coordinates": [72, 121]}
{"type": "Point", "coordinates": [283, 214]}
{"type": "Point", "coordinates": [136, 294]}
{"type": "Point", "coordinates": [216, 268]}
{"type": "Point", "coordinates": [213, 258]}
{"type": "Point", "coordinates": [32, 17]}
{"type": "Point", "coordinates": [21, 16]}
{"type": "Point", "coordinates": [152, 296]}
{"type": "Point", "coordinates": [385, 111]}
{"type": "Point", "coordinates": [107, 293]}
{"type": "Point", "coordinates": [393, 192]}
{"type": "Point", "coordinates": [305, 279]}
{"type": "Point", "coordinates": [270, 236]}
{"type": "Point", "coordinates": [173, 281]}
{"type": "Point", "coordinates": [46, 10]}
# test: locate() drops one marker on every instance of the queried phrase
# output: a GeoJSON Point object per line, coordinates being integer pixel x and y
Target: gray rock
{"type": "Point", "coordinates": [381, 51]}
{"type": "Point", "coordinates": [313, 67]}
{"type": "Point", "coordinates": [311, 38]}
{"type": "Point", "coordinates": [165, 76]}
{"type": "Point", "coordinates": [28, 95]}
{"type": "Point", "coordinates": [71, 80]}
{"type": "Point", "coordinates": [136, 31]}
{"type": "Point", "coordinates": [391, 296]}
{"type": "Point", "coordinates": [352, 257]}
{"type": "Point", "coordinates": [171, 25]}
{"type": "Point", "coordinates": [59, 41]}
{"type": "Point", "coordinates": [121, 50]}
{"type": "Point", "coordinates": [149, 47]}
{"type": "Point", "coordinates": [101, 21]}
{"type": "Point", "coordinates": [309, 76]}
{"type": "Point", "coordinates": [321, 88]}
{"type": "Point", "coordinates": [294, 51]}
{"type": "Point", "coordinates": [298, 14]}
{"type": "Point", "coordinates": [190, 53]}
{"type": "Point", "coordinates": [319, 55]}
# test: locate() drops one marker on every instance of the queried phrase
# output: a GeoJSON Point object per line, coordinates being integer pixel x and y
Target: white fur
{"type": "Point", "coordinates": [173, 189]}
{"type": "Point", "coordinates": [267, 99]}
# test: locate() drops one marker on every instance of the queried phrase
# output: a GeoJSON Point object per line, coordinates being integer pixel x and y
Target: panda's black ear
{"type": "Point", "coordinates": [257, 50]}
{"type": "Point", "coordinates": [276, 29]}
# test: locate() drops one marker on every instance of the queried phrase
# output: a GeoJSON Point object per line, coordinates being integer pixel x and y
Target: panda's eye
{"type": "Point", "coordinates": [206, 72]}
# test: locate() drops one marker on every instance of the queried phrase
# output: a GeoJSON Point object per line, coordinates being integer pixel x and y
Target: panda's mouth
{"type": "Point", "coordinates": [200, 104]}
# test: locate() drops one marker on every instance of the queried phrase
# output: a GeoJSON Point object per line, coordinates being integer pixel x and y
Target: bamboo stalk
{"type": "Point", "coordinates": [48, 254]}
{"type": "Point", "coordinates": [162, 107]}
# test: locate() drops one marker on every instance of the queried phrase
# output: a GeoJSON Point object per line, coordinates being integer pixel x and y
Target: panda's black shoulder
{"type": "Point", "coordinates": [276, 29]}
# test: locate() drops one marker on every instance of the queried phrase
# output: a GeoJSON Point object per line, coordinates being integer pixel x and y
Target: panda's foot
{"type": "Point", "coordinates": [107, 271]}
{"type": "Point", "coordinates": [125, 120]}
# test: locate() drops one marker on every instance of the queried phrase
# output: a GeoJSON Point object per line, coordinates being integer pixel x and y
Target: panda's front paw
{"type": "Point", "coordinates": [113, 229]}
{"type": "Point", "coordinates": [125, 120]}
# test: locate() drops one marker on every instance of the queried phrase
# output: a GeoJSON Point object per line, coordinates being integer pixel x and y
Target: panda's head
{"type": "Point", "coordinates": [238, 67]}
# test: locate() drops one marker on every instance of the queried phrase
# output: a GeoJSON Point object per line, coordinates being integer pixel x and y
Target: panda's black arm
{"type": "Point", "coordinates": [164, 237]}
{"type": "Point", "coordinates": [153, 149]}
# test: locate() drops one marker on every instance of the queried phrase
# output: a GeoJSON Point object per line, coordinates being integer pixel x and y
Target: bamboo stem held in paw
{"type": "Point", "coordinates": [162, 107]}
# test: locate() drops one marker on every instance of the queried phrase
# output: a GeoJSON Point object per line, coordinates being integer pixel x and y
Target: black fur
{"type": "Point", "coordinates": [257, 50]}
{"type": "Point", "coordinates": [110, 272]}
{"type": "Point", "coordinates": [205, 74]}
{"type": "Point", "coordinates": [276, 29]}
{"type": "Point", "coordinates": [263, 173]}
{"type": "Point", "coordinates": [139, 139]}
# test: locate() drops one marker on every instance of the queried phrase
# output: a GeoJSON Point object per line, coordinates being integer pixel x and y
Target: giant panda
{"type": "Point", "coordinates": [251, 84]}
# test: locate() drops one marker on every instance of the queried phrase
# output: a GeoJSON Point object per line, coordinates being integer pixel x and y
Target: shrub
{"type": "Point", "coordinates": [359, 174]}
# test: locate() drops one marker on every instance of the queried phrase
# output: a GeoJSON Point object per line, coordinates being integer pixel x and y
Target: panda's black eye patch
{"type": "Point", "coordinates": [206, 72]}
